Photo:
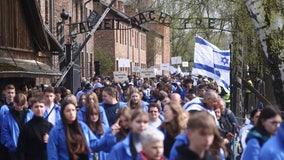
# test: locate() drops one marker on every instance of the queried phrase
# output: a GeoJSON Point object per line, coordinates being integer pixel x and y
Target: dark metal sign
{"type": "Point", "coordinates": [153, 16]}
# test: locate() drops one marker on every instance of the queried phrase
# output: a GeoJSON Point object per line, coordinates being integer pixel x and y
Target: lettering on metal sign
{"type": "Point", "coordinates": [152, 16]}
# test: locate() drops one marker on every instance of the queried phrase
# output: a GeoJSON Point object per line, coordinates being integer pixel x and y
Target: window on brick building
{"type": "Point", "coordinates": [130, 37]}
{"type": "Point", "coordinates": [125, 34]}
{"type": "Point", "coordinates": [76, 12]}
{"type": "Point", "coordinates": [82, 62]}
{"type": "Point", "coordinates": [143, 42]}
{"type": "Point", "coordinates": [122, 38]}
{"type": "Point", "coordinates": [135, 39]}
{"type": "Point", "coordinates": [116, 33]}
{"type": "Point", "coordinates": [120, 34]}
{"type": "Point", "coordinates": [46, 11]}
{"type": "Point", "coordinates": [82, 13]}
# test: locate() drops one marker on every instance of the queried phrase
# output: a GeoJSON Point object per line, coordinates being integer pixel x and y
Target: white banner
{"type": "Point", "coordinates": [147, 73]}
{"type": "Point", "coordinates": [165, 66]}
{"type": "Point", "coordinates": [123, 63]}
{"type": "Point", "coordinates": [184, 64]}
{"type": "Point", "coordinates": [159, 72]}
{"type": "Point", "coordinates": [176, 60]}
{"type": "Point", "coordinates": [136, 69]}
{"type": "Point", "coordinates": [120, 76]}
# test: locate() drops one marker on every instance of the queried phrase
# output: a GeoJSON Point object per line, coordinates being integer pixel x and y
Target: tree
{"type": "Point", "coordinates": [106, 61]}
{"type": "Point", "coordinates": [267, 19]}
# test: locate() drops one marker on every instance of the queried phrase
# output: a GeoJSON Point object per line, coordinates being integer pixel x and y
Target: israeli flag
{"type": "Point", "coordinates": [211, 62]}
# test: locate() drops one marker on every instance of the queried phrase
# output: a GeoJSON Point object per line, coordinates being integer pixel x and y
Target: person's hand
{"type": "Point", "coordinates": [225, 141]}
{"type": "Point", "coordinates": [45, 138]}
{"type": "Point", "coordinates": [115, 127]}
{"type": "Point", "coordinates": [229, 135]}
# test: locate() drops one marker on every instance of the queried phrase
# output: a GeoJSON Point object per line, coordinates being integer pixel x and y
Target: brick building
{"type": "Point", "coordinates": [122, 43]}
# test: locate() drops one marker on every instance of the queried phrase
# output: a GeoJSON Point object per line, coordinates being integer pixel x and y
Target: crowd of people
{"type": "Point", "coordinates": [143, 119]}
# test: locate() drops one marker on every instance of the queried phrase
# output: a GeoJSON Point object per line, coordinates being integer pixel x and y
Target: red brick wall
{"type": "Point", "coordinates": [121, 43]}
{"type": "Point", "coordinates": [106, 39]}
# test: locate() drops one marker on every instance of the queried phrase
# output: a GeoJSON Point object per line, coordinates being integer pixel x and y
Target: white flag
{"type": "Point", "coordinates": [212, 62]}
{"type": "Point", "coordinates": [222, 68]}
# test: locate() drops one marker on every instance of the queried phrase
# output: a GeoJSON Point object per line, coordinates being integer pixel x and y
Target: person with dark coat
{"type": "Point", "coordinates": [205, 140]}
{"type": "Point", "coordinates": [111, 104]}
{"type": "Point", "coordinates": [13, 122]}
{"type": "Point", "coordinates": [34, 135]}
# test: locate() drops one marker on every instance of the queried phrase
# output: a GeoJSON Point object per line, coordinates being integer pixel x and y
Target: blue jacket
{"type": "Point", "coordinates": [121, 150]}
{"type": "Point", "coordinates": [57, 113]}
{"type": "Point", "coordinates": [273, 149]}
{"type": "Point", "coordinates": [3, 111]}
{"type": "Point", "coordinates": [82, 115]}
{"type": "Point", "coordinates": [180, 140]}
{"type": "Point", "coordinates": [103, 155]}
{"type": "Point", "coordinates": [254, 143]}
{"type": "Point", "coordinates": [10, 130]}
{"type": "Point", "coordinates": [145, 106]}
{"type": "Point", "coordinates": [57, 148]}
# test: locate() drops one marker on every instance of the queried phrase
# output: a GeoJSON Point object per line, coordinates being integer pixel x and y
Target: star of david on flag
{"type": "Point", "coordinates": [212, 62]}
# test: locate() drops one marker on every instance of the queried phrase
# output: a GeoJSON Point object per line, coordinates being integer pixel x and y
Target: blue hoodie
{"type": "Point", "coordinates": [82, 115]}
{"type": "Point", "coordinates": [57, 148]}
{"type": "Point", "coordinates": [10, 130]}
{"type": "Point", "coordinates": [180, 140]}
{"type": "Point", "coordinates": [254, 141]}
{"type": "Point", "coordinates": [121, 150]}
{"type": "Point", "coordinates": [273, 149]}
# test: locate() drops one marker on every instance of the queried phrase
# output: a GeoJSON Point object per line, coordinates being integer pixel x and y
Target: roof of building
{"type": "Point", "coordinates": [25, 68]}
{"type": "Point", "coordinates": [123, 15]}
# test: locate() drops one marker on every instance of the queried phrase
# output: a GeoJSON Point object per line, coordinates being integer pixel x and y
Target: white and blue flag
{"type": "Point", "coordinates": [212, 62]}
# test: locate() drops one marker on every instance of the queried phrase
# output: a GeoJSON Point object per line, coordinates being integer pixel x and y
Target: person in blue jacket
{"type": "Point", "coordinates": [72, 139]}
{"type": "Point", "coordinates": [277, 151]}
{"type": "Point", "coordinates": [180, 140]}
{"type": "Point", "coordinates": [91, 97]}
{"type": "Point", "coordinates": [265, 127]}
{"type": "Point", "coordinates": [15, 118]}
{"type": "Point", "coordinates": [7, 103]}
{"type": "Point", "coordinates": [93, 120]}
{"type": "Point", "coordinates": [204, 137]}
{"type": "Point", "coordinates": [135, 100]}
{"type": "Point", "coordinates": [129, 148]}
{"type": "Point", "coordinates": [111, 104]}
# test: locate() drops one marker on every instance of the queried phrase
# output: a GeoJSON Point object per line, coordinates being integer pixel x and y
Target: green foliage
{"type": "Point", "coordinates": [106, 61]}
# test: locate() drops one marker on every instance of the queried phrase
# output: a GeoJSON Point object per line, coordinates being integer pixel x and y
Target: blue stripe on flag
{"type": "Point", "coordinates": [223, 52]}
{"type": "Point", "coordinates": [218, 73]}
{"type": "Point", "coordinates": [221, 67]}
{"type": "Point", "coordinates": [201, 41]}
{"type": "Point", "coordinates": [225, 83]}
{"type": "Point", "coordinates": [204, 67]}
